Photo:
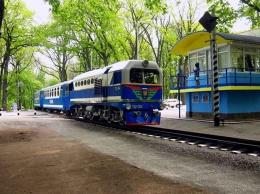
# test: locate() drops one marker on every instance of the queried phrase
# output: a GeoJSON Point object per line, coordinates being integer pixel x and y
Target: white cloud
{"type": "Point", "coordinates": [41, 10]}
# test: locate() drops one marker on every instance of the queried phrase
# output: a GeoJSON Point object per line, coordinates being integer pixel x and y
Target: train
{"type": "Point", "coordinates": [127, 92]}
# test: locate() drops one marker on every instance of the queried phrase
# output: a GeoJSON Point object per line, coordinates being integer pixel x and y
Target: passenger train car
{"type": "Point", "coordinates": [54, 98]}
{"type": "Point", "coordinates": [127, 92]}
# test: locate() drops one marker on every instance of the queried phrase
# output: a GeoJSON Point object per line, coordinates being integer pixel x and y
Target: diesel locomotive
{"type": "Point", "coordinates": [127, 92]}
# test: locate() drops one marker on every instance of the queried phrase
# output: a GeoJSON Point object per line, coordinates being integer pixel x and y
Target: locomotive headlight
{"type": "Point", "coordinates": [162, 106]}
{"type": "Point", "coordinates": [145, 63]}
{"type": "Point", "coordinates": [128, 106]}
{"type": "Point", "coordinates": [137, 113]}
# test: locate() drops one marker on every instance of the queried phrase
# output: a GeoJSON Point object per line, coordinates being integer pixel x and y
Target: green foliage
{"type": "Point", "coordinates": [251, 10]}
{"type": "Point", "coordinates": [156, 4]}
{"type": "Point", "coordinates": [52, 82]}
{"type": "Point", "coordinates": [55, 4]}
{"type": "Point", "coordinates": [29, 87]}
{"type": "Point", "coordinates": [226, 14]}
{"type": "Point", "coordinates": [90, 34]}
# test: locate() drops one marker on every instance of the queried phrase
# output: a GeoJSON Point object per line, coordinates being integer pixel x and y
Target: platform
{"type": "Point", "coordinates": [246, 129]}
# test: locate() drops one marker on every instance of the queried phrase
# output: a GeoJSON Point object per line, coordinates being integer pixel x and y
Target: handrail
{"type": "Point", "coordinates": [230, 76]}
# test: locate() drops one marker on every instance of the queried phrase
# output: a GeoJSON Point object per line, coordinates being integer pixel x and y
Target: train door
{"type": "Point", "coordinates": [106, 84]}
{"type": "Point", "coordinates": [41, 98]}
{"type": "Point", "coordinates": [65, 91]}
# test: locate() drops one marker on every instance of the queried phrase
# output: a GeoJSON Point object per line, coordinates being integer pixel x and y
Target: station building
{"type": "Point", "coordinates": [238, 60]}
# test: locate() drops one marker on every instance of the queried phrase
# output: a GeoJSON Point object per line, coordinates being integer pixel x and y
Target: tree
{"type": "Point", "coordinates": [2, 8]}
{"type": "Point", "coordinates": [251, 10]}
{"type": "Point", "coordinates": [56, 45]}
{"type": "Point", "coordinates": [22, 81]}
{"type": "Point", "coordinates": [227, 14]}
{"type": "Point", "coordinates": [16, 34]}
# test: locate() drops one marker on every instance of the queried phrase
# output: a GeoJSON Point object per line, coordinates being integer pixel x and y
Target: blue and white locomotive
{"type": "Point", "coordinates": [127, 92]}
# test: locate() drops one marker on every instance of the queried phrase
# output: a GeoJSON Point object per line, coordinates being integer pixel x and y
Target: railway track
{"type": "Point", "coordinates": [223, 143]}
{"type": "Point", "coordinates": [234, 145]}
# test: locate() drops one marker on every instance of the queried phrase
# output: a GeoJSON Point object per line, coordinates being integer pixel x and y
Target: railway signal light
{"type": "Point", "coordinates": [208, 22]}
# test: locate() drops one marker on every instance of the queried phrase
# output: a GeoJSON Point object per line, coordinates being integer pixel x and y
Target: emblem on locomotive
{"type": "Point", "coordinates": [144, 93]}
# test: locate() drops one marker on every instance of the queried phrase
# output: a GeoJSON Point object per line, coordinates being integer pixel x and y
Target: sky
{"type": "Point", "coordinates": [241, 24]}
{"type": "Point", "coordinates": [40, 8]}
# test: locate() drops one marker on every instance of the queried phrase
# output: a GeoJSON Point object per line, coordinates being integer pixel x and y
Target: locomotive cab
{"type": "Point", "coordinates": [138, 94]}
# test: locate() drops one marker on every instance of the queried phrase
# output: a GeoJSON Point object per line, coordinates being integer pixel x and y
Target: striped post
{"type": "Point", "coordinates": [215, 82]}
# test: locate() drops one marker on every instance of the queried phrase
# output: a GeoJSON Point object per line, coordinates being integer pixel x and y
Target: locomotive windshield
{"type": "Point", "coordinates": [150, 76]}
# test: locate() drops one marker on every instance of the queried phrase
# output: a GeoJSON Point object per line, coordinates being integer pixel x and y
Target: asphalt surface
{"type": "Point", "coordinates": [217, 171]}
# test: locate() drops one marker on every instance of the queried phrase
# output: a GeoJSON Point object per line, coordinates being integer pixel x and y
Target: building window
{"type": "Point", "coordinates": [223, 57]}
{"type": "Point", "coordinates": [195, 98]}
{"type": "Point", "coordinates": [245, 59]}
{"type": "Point", "coordinates": [200, 57]}
{"type": "Point", "coordinates": [249, 62]}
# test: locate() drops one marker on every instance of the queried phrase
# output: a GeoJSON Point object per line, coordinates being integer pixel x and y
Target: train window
{"type": "Point", "coordinates": [151, 77]}
{"type": "Point", "coordinates": [55, 92]}
{"type": "Point", "coordinates": [85, 82]}
{"type": "Point", "coordinates": [67, 91]}
{"type": "Point", "coordinates": [88, 82]}
{"type": "Point", "coordinates": [61, 91]}
{"type": "Point", "coordinates": [58, 91]}
{"type": "Point", "coordinates": [76, 84]}
{"type": "Point", "coordinates": [136, 76]}
{"type": "Point", "coordinates": [117, 77]}
{"type": "Point", "coordinates": [92, 80]}
{"type": "Point", "coordinates": [81, 83]}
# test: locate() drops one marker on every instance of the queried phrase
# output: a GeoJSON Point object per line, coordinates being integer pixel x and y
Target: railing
{"type": "Point", "coordinates": [227, 77]}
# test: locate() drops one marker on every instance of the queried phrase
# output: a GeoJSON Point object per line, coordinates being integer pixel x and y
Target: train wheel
{"type": "Point", "coordinates": [122, 121]}
{"type": "Point", "coordinates": [91, 116]}
{"type": "Point", "coordinates": [109, 120]}
{"type": "Point", "coordinates": [68, 113]}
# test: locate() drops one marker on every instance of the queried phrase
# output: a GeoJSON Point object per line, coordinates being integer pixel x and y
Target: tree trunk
{"type": "Point", "coordinates": [1, 80]}
{"type": "Point", "coordinates": [5, 75]}
{"type": "Point", "coordinates": [4, 99]}
{"type": "Point", "coordinates": [2, 7]}
{"type": "Point", "coordinates": [2, 3]}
